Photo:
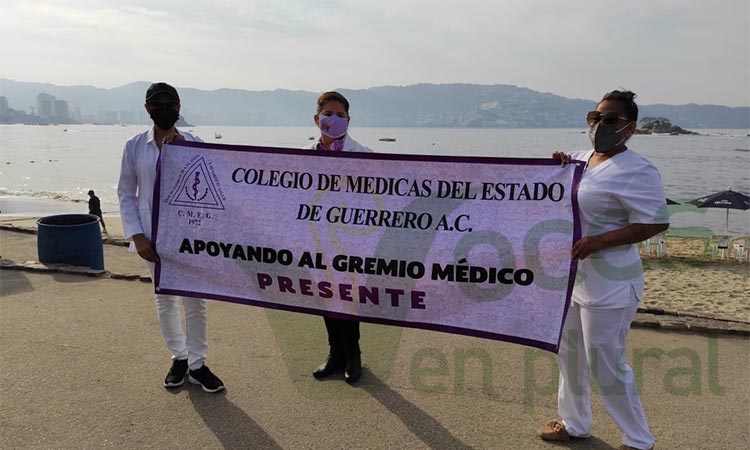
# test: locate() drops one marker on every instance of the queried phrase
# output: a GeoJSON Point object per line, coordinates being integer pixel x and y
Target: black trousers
{"type": "Point", "coordinates": [343, 336]}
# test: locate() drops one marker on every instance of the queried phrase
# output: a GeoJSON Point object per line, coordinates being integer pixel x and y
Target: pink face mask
{"type": "Point", "coordinates": [333, 126]}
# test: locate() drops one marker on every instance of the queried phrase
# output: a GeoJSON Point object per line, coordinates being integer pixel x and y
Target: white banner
{"type": "Point", "coordinates": [474, 246]}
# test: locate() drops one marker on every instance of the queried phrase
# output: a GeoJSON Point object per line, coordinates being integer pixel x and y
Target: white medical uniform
{"type": "Point", "coordinates": [622, 190]}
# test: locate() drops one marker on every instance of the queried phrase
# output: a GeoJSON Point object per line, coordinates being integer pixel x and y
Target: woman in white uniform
{"type": "Point", "coordinates": [621, 203]}
{"type": "Point", "coordinates": [332, 119]}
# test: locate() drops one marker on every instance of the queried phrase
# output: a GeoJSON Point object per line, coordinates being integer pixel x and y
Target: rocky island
{"type": "Point", "coordinates": [660, 125]}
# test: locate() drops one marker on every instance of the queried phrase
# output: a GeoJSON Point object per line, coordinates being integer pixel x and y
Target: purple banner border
{"type": "Point", "coordinates": [368, 155]}
{"type": "Point", "coordinates": [577, 175]}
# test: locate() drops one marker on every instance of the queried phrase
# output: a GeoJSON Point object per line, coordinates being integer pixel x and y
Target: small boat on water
{"type": "Point", "coordinates": [217, 135]}
{"type": "Point", "coordinates": [387, 139]}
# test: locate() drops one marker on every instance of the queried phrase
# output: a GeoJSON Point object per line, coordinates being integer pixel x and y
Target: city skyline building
{"type": "Point", "coordinates": [45, 105]}
{"type": "Point", "coordinates": [60, 110]}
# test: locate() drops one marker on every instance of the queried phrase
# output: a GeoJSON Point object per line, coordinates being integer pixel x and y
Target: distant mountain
{"type": "Point", "coordinates": [422, 105]}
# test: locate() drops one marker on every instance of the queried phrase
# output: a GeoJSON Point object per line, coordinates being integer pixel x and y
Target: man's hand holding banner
{"type": "Point", "coordinates": [466, 245]}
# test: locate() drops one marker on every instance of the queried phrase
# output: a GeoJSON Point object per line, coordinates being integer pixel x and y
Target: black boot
{"type": "Point", "coordinates": [334, 361]}
{"type": "Point", "coordinates": [353, 370]}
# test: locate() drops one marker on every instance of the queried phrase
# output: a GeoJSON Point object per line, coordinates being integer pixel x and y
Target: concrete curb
{"type": "Point", "coordinates": [690, 324]}
{"type": "Point", "coordinates": [40, 267]}
{"type": "Point", "coordinates": [109, 240]}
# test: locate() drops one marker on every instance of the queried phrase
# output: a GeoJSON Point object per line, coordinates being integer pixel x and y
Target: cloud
{"type": "Point", "coordinates": [668, 51]}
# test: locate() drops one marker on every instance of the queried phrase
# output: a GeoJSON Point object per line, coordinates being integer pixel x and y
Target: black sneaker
{"type": "Point", "coordinates": [208, 381]}
{"type": "Point", "coordinates": [176, 375]}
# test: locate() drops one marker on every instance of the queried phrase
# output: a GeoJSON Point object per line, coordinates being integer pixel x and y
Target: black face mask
{"type": "Point", "coordinates": [605, 137]}
{"type": "Point", "coordinates": [164, 117]}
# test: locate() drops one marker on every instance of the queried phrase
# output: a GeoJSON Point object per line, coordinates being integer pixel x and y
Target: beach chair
{"type": "Point", "coordinates": [644, 247]}
{"type": "Point", "coordinates": [657, 246]}
{"type": "Point", "coordinates": [720, 249]}
{"type": "Point", "coordinates": [741, 247]}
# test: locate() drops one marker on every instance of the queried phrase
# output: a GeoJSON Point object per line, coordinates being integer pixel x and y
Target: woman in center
{"type": "Point", "coordinates": [332, 119]}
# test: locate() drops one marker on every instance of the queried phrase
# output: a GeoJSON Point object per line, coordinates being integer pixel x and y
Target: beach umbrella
{"type": "Point", "coordinates": [728, 199]}
{"type": "Point", "coordinates": [672, 202]}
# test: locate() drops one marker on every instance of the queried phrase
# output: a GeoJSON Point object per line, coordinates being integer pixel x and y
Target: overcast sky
{"type": "Point", "coordinates": [667, 51]}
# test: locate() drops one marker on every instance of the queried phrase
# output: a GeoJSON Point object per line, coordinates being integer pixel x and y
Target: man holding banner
{"type": "Point", "coordinates": [135, 190]}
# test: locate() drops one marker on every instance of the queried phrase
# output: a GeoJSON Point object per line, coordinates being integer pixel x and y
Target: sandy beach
{"type": "Point", "coordinates": [687, 280]}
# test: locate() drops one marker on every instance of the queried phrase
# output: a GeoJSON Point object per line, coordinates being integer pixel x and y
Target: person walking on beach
{"type": "Point", "coordinates": [622, 203]}
{"type": "Point", "coordinates": [135, 190]}
{"type": "Point", "coordinates": [95, 208]}
{"type": "Point", "coordinates": [332, 119]}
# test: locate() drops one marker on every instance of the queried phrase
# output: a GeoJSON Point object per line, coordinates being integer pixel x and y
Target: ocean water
{"type": "Point", "coordinates": [48, 169]}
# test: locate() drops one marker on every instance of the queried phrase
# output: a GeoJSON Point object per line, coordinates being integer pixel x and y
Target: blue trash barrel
{"type": "Point", "coordinates": [70, 239]}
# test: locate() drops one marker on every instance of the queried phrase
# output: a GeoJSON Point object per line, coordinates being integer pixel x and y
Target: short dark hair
{"type": "Point", "coordinates": [332, 96]}
{"type": "Point", "coordinates": [626, 99]}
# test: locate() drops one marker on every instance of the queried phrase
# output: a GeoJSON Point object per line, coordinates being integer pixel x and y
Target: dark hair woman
{"type": "Point", "coordinates": [622, 203]}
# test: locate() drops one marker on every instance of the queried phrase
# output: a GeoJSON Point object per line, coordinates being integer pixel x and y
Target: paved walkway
{"type": "Point", "coordinates": [82, 362]}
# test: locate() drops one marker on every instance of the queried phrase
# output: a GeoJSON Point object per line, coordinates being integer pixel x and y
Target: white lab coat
{"type": "Point", "coordinates": [136, 186]}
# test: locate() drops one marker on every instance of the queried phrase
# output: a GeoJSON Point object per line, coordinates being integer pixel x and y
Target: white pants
{"type": "Point", "coordinates": [594, 339]}
{"type": "Point", "coordinates": [191, 344]}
